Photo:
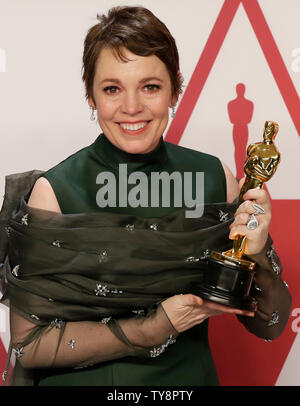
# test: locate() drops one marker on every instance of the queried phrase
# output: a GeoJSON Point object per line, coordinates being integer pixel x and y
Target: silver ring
{"type": "Point", "coordinates": [258, 209]}
{"type": "Point", "coordinates": [252, 222]}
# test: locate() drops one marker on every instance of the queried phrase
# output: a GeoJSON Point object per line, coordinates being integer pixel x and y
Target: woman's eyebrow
{"type": "Point", "coordinates": [111, 80]}
{"type": "Point", "coordinates": [117, 81]}
{"type": "Point", "coordinates": [150, 78]}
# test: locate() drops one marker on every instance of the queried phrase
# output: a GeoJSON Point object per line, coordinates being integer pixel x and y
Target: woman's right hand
{"type": "Point", "coordinates": [185, 311]}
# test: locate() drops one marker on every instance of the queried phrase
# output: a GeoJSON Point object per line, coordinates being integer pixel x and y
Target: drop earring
{"type": "Point", "coordinates": [173, 114]}
{"type": "Point", "coordinates": [93, 117]}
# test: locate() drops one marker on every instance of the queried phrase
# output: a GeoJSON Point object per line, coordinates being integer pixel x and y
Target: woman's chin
{"type": "Point", "coordinates": [138, 146]}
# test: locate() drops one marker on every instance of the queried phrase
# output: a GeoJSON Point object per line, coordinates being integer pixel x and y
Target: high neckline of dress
{"type": "Point", "coordinates": [112, 156]}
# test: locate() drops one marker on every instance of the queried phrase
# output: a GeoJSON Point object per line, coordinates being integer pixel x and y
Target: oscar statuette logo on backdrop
{"type": "Point", "coordinates": [240, 112]}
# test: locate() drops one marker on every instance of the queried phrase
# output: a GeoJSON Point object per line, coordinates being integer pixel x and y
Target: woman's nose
{"type": "Point", "coordinates": [131, 104]}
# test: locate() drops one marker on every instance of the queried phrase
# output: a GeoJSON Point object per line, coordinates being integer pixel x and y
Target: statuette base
{"type": "Point", "coordinates": [228, 281]}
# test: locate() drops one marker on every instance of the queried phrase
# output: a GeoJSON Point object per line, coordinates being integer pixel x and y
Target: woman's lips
{"type": "Point", "coordinates": [137, 127]}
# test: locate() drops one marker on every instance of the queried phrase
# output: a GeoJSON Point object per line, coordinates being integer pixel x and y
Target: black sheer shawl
{"type": "Point", "coordinates": [105, 272]}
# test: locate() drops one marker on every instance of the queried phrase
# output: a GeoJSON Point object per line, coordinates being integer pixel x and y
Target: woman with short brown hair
{"type": "Point", "coordinates": [101, 280]}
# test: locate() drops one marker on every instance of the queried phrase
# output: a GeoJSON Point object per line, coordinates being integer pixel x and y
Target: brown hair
{"type": "Point", "coordinates": [138, 30]}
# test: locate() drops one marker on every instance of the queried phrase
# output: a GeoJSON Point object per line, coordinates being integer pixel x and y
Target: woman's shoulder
{"type": "Point", "coordinates": [49, 189]}
{"type": "Point", "coordinates": [43, 196]}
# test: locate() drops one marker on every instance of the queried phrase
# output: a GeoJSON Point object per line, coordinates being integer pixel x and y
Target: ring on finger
{"type": "Point", "coordinates": [258, 209]}
{"type": "Point", "coordinates": [252, 222]}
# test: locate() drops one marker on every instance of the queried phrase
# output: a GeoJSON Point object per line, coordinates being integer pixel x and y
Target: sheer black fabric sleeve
{"type": "Point", "coordinates": [85, 343]}
{"type": "Point", "coordinates": [271, 293]}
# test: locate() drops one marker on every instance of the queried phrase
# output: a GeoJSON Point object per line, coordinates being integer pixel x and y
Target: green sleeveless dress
{"type": "Point", "coordinates": [189, 361]}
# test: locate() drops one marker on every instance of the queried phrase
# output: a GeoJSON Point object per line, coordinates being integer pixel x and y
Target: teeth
{"type": "Point", "coordinates": [133, 127]}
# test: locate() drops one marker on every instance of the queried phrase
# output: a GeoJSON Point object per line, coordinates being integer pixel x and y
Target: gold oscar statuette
{"type": "Point", "coordinates": [229, 277]}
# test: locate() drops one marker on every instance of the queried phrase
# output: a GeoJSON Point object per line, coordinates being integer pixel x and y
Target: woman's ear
{"type": "Point", "coordinates": [175, 97]}
{"type": "Point", "coordinates": [173, 101]}
{"type": "Point", "coordinates": [91, 103]}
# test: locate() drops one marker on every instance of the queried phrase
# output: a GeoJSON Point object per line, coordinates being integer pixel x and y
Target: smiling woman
{"type": "Point", "coordinates": [106, 295]}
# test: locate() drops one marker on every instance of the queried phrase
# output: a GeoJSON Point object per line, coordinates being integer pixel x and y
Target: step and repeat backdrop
{"type": "Point", "coordinates": [240, 60]}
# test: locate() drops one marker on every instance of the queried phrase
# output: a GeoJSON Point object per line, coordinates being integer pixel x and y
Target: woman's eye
{"type": "Point", "coordinates": [152, 88]}
{"type": "Point", "coordinates": [111, 89]}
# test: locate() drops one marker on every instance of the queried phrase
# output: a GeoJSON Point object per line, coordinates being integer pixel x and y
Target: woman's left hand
{"type": "Point", "coordinates": [255, 239]}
